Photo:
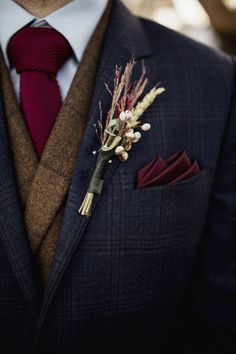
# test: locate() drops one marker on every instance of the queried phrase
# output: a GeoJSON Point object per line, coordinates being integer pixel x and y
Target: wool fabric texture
{"type": "Point", "coordinates": [43, 183]}
{"type": "Point", "coordinates": [38, 54]}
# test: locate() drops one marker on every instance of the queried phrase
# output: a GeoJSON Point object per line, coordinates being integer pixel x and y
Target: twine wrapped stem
{"type": "Point", "coordinates": [96, 182]}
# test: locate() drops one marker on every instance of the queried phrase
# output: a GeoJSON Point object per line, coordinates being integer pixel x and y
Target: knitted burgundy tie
{"type": "Point", "coordinates": [38, 54]}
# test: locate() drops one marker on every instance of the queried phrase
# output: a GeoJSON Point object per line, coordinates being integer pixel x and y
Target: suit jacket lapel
{"type": "Point", "coordinates": [124, 38]}
{"type": "Point", "coordinates": [12, 231]}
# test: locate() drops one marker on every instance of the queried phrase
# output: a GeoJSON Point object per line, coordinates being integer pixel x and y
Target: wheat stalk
{"type": "Point", "coordinates": [142, 106]}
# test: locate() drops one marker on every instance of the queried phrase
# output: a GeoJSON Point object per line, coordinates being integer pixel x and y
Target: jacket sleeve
{"type": "Point", "coordinates": [210, 322]}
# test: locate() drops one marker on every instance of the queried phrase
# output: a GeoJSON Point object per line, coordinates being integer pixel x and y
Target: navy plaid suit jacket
{"type": "Point", "coordinates": [152, 270]}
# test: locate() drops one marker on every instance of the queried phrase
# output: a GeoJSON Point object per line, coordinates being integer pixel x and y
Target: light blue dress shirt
{"type": "Point", "coordinates": [76, 21]}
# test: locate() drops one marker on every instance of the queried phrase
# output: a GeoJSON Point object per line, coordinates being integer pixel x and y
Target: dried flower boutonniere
{"type": "Point", "coordinates": [123, 118]}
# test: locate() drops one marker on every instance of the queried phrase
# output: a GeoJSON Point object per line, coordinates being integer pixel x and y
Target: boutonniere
{"type": "Point", "coordinates": [122, 122]}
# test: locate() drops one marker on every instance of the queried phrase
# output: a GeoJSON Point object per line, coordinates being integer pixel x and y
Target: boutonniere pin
{"type": "Point", "coordinates": [120, 131]}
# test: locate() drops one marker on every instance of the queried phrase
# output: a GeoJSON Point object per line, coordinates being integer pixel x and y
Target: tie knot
{"type": "Point", "coordinates": [38, 49]}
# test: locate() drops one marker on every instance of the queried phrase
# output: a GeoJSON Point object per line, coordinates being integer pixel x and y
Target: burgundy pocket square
{"type": "Point", "coordinates": [175, 169]}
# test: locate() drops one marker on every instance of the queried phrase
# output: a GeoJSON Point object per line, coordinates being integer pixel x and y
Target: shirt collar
{"type": "Point", "coordinates": [76, 21]}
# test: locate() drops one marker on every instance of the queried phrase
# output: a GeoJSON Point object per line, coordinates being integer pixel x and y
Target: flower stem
{"type": "Point", "coordinates": [96, 182]}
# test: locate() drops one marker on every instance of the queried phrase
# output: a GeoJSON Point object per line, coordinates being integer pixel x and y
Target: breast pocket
{"type": "Point", "coordinates": [161, 229]}
{"type": "Point", "coordinates": [177, 207]}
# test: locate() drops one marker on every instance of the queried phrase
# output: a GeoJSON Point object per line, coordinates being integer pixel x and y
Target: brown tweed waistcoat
{"type": "Point", "coordinates": [43, 185]}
